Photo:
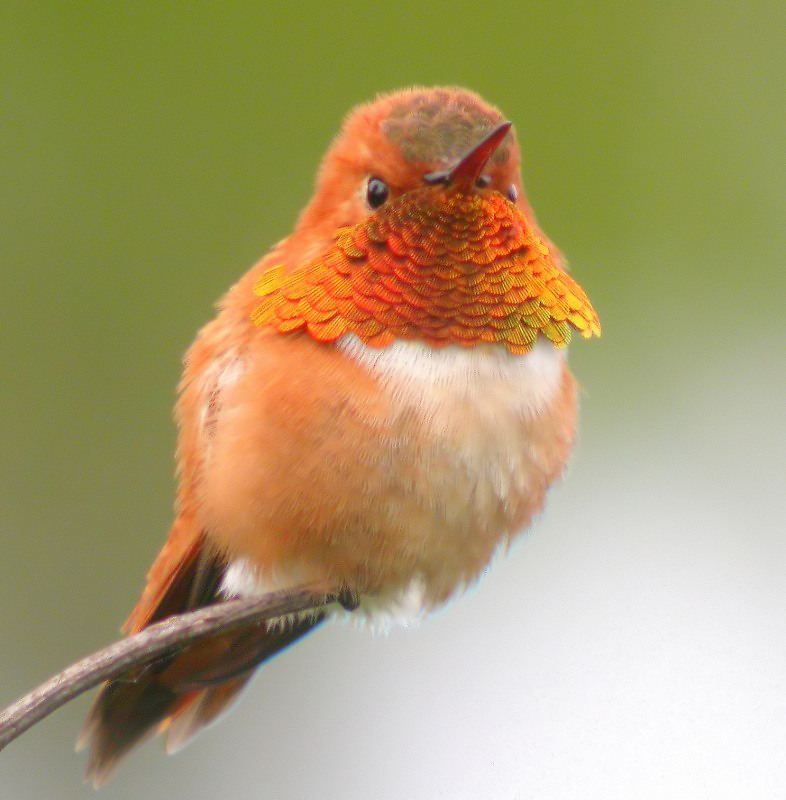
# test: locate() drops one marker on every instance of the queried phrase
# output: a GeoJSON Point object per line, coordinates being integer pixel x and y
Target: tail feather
{"type": "Point", "coordinates": [228, 657]}
{"type": "Point", "coordinates": [124, 715]}
{"type": "Point", "coordinates": [182, 692]}
{"type": "Point", "coordinates": [183, 726]}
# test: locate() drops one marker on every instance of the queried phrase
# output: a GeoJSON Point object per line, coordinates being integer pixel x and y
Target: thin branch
{"type": "Point", "coordinates": [147, 645]}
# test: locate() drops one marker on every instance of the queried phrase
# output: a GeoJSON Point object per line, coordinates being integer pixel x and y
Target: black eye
{"type": "Point", "coordinates": [376, 192]}
{"type": "Point", "coordinates": [513, 193]}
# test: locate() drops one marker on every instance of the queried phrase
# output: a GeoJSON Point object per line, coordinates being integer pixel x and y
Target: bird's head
{"type": "Point", "coordinates": [429, 236]}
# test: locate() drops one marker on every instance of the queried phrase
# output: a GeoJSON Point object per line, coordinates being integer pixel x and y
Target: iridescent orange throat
{"type": "Point", "coordinates": [440, 266]}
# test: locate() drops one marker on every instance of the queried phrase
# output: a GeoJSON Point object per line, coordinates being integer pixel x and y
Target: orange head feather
{"type": "Point", "coordinates": [450, 255]}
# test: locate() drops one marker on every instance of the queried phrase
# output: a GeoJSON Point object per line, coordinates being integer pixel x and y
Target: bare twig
{"type": "Point", "coordinates": [143, 647]}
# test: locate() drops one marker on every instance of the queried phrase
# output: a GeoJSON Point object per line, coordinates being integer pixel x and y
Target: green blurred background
{"type": "Point", "coordinates": [634, 645]}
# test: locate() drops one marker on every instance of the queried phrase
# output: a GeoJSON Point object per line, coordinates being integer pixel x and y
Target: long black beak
{"type": "Point", "coordinates": [470, 168]}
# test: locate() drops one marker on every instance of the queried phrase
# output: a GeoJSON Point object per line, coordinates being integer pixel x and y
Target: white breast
{"type": "Point", "coordinates": [482, 376]}
{"type": "Point", "coordinates": [474, 410]}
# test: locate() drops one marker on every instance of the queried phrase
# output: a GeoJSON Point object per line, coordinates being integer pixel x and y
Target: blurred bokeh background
{"type": "Point", "coordinates": [634, 644]}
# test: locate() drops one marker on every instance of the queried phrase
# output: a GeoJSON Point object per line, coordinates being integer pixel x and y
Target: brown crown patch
{"type": "Point", "coordinates": [442, 125]}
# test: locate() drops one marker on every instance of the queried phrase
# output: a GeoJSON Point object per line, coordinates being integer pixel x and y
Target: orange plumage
{"type": "Point", "coordinates": [381, 402]}
{"type": "Point", "coordinates": [442, 267]}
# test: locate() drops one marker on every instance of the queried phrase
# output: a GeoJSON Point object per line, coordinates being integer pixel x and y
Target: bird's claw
{"type": "Point", "coordinates": [348, 599]}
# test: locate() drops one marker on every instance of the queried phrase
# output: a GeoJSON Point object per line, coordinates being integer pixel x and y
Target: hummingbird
{"type": "Point", "coordinates": [379, 406]}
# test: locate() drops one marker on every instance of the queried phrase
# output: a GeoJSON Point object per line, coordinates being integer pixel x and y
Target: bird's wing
{"type": "Point", "coordinates": [183, 576]}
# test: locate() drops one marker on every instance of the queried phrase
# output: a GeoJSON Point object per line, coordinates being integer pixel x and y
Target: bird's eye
{"type": "Point", "coordinates": [513, 193]}
{"type": "Point", "coordinates": [483, 181]}
{"type": "Point", "coordinates": [377, 192]}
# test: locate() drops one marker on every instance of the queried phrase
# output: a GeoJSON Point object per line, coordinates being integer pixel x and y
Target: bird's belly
{"type": "Point", "coordinates": [402, 487]}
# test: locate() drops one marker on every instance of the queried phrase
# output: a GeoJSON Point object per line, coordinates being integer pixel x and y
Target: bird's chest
{"type": "Point", "coordinates": [463, 421]}
{"type": "Point", "coordinates": [374, 468]}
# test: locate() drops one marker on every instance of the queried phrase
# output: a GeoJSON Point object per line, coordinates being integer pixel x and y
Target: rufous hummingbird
{"type": "Point", "coordinates": [381, 403]}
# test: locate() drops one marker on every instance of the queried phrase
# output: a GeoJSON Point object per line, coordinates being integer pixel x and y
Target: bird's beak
{"type": "Point", "coordinates": [470, 168]}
